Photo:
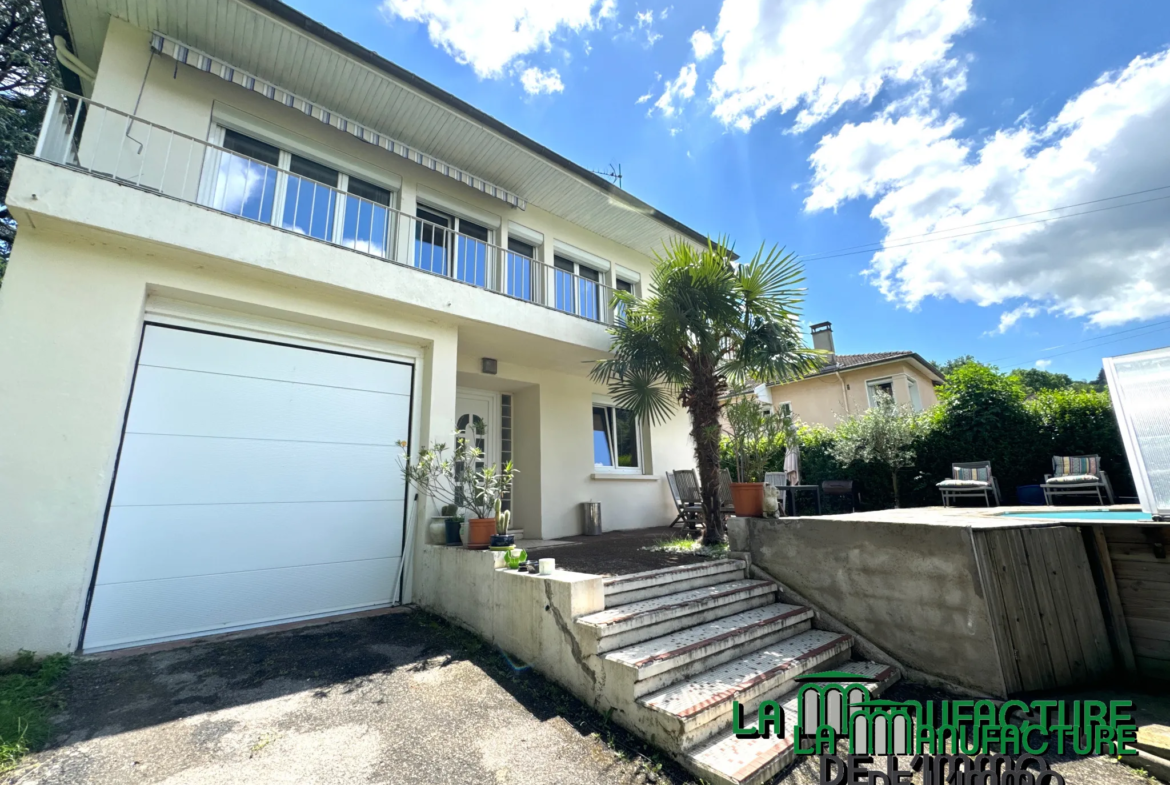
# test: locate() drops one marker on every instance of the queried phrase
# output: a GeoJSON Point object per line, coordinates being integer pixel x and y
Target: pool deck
{"type": "Point", "coordinates": [986, 518]}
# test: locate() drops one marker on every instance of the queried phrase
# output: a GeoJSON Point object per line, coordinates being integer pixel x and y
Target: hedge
{"type": "Point", "coordinates": [983, 415]}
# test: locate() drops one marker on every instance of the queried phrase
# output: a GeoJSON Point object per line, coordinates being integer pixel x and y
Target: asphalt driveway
{"type": "Point", "coordinates": [399, 698]}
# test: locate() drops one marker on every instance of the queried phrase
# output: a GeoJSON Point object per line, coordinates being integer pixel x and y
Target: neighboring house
{"type": "Point", "coordinates": [846, 383]}
{"type": "Point", "coordinates": [255, 258]}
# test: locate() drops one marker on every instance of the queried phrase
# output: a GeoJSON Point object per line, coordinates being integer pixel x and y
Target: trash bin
{"type": "Point", "coordinates": [1030, 494]}
{"type": "Point", "coordinates": [591, 517]}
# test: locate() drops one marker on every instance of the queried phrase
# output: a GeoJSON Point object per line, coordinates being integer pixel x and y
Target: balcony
{"type": "Point", "coordinates": [98, 140]}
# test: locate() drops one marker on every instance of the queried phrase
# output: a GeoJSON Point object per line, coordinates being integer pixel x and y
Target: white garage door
{"type": "Point", "coordinates": [257, 483]}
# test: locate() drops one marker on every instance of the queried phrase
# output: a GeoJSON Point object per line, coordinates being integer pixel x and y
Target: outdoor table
{"type": "Point", "coordinates": [794, 488]}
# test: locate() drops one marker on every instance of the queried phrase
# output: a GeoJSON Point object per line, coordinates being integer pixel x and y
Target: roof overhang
{"type": "Point", "coordinates": [908, 357]}
{"type": "Point", "coordinates": [276, 43]}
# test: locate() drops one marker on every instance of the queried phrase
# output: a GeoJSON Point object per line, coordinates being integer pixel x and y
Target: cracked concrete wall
{"type": "Point", "coordinates": [528, 616]}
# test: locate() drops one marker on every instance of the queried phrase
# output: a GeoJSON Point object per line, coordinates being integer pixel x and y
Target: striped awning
{"type": "Point", "coordinates": [193, 57]}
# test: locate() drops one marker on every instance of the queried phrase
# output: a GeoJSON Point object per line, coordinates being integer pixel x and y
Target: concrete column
{"type": "Point", "coordinates": [408, 207]}
{"type": "Point", "coordinates": [548, 286]}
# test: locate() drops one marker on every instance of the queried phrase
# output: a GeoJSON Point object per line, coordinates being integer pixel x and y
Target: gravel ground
{"type": "Point", "coordinates": [398, 698]}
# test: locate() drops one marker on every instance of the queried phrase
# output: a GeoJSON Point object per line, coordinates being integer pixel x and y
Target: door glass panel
{"type": "Point", "coordinates": [310, 200]}
{"type": "Point", "coordinates": [602, 454]}
{"type": "Point", "coordinates": [471, 252]}
{"type": "Point", "coordinates": [367, 218]}
{"type": "Point", "coordinates": [245, 183]}
{"type": "Point", "coordinates": [431, 239]}
{"type": "Point", "coordinates": [519, 272]}
{"type": "Point", "coordinates": [563, 278]}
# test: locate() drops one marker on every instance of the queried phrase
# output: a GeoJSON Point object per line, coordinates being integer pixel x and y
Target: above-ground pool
{"type": "Point", "coordinates": [1083, 515]}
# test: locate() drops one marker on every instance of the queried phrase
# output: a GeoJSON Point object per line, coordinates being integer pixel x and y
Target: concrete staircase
{"type": "Point", "coordinates": [679, 645]}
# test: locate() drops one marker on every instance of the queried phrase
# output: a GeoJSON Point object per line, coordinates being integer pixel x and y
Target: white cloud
{"type": "Point", "coordinates": [536, 81]}
{"type": "Point", "coordinates": [490, 36]}
{"type": "Point", "coordinates": [1111, 266]}
{"type": "Point", "coordinates": [1008, 319]}
{"type": "Point", "coordinates": [1043, 363]}
{"type": "Point", "coordinates": [644, 18]}
{"type": "Point", "coordinates": [702, 43]}
{"type": "Point", "coordinates": [678, 92]}
{"type": "Point", "coordinates": [644, 98]}
{"type": "Point", "coordinates": [819, 55]}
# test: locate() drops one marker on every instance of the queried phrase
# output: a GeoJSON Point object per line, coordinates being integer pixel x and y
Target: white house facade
{"type": "Point", "coordinates": [254, 258]}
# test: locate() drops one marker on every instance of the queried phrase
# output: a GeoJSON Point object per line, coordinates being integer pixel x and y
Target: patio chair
{"type": "Point", "coordinates": [684, 487]}
{"type": "Point", "coordinates": [725, 505]}
{"type": "Point", "coordinates": [779, 480]}
{"type": "Point", "coordinates": [1077, 475]}
{"type": "Point", "coordinates": [973, 478]}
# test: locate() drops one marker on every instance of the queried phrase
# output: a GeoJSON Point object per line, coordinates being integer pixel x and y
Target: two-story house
{"type": "Point", "coordinates": [254, 257]}
{"type": "Point", "coordinates": [846, 384]}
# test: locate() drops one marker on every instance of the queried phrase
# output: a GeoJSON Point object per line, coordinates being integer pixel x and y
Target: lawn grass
{"type": "Point", "coordinates": [26, 688]}
{"type": "Point", "coordinates": [683, 544]}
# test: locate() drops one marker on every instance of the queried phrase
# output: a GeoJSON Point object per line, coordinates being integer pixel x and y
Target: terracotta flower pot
{"type": "Point", "coordinates": [748, 499]}
{"type": "Point", "coordinates": [479, 533]}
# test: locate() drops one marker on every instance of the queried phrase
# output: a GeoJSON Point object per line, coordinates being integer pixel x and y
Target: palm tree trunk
{"type": "Point", "coordinates": [705, 431]}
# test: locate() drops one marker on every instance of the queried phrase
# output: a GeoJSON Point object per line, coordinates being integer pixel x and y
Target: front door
{"type": "Point", "coordinates": [477, 418]}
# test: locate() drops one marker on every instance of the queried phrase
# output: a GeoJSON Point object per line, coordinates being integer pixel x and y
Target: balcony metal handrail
{"type": "Point", "coordinates": [105, 142]}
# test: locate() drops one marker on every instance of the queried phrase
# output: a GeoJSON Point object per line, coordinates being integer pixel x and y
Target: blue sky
{"type": "Point", "coordinates": [825, 125]}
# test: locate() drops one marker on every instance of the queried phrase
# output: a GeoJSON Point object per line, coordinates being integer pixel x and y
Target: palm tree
{"type": "Point", "coordinates": [711, 326]}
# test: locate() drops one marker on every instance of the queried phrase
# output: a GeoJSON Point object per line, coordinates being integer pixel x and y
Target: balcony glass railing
{"type": "Point", "coordinates": [108, 143]}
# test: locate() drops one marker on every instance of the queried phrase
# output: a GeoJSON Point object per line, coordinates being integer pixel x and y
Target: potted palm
{"type": "Point", "coordinates": [755, 437]}
{"type": "Point", "coordinates": [455, 480]}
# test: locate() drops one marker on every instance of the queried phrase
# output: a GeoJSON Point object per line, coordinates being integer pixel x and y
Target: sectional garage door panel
{"type": "Point", "coordinates": [161, 469]}
{"type": "Point", "coordinates": [257, 483]}
{"type": "Point", "coordinates": [137, 613]}
{"type": "Point", "coordinates": [190, 403]}
{"type": "Point", "coordinates": [185, 349]}
{"type": "Point", "coordinates": [243, 537]}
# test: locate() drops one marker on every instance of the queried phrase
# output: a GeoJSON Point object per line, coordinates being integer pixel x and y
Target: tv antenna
{"type": "Point", "coordinates": [614, 174]}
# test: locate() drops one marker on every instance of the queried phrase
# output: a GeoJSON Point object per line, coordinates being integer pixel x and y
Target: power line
{"type": "Point", "coordinates": [1164, 324]}
{"type": "Point", "coordinates": [883, 245]}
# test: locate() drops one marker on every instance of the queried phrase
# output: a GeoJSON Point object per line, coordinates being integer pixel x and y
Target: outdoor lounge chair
{"type": "Point", "coordinates": [970, 479]}
{"type": "Point", "coordinates": [1077, 475]}
{"type": "Point", "coordinates": [684, 487]}
{"type": "Point", "coordinates": [725, 505]}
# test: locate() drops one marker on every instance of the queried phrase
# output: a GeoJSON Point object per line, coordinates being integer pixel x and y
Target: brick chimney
{"type": "Point", "coordinates": [822, 335]}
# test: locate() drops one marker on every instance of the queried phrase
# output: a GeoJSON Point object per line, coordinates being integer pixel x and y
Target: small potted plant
{"type": "Point", "coordinates": [454, 481]}
{"type": "Point", "coordinates": [502, 540]}
{"type": "Point", "coordinates": [453, 521]}
{"type": "Point", "coordinates": [755, 438]}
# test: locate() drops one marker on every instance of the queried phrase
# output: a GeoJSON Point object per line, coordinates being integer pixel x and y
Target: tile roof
{"type": "Point", "coordinates": [844, 361]}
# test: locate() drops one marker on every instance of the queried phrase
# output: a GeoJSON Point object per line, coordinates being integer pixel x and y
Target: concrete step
{"type": "Point", "coordinates": [700, 708]}
{"type": "Point", "coordinates": [728, 760]}
{"type": "Point", "coordinates": [623, 589]}
{"type": "Point", "coordinates": [651, 665]}
{"type": "Point", "coordinates": [615, 628]}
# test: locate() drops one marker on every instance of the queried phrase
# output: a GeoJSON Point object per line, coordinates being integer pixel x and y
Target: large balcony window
{"type": "Point", "coordinates": [310, 193]}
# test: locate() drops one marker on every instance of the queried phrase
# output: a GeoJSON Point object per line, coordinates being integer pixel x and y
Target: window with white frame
{"type": "Point", "coordinates": [522, 269]}
{"type": "Point", "coordinates": [449, 245]}
{"type": "Point", "coordinates": [875, 386]}
{"type": "Point", "coordinates": [624, 286]}
{"type": "Point", "coordinates": [577, 287]}
{"type": "Point", "coordinates": [784, 408]}
{"type": "Point", "coordinates": [253, 179]}
{"type": "Point", "coordinates": [915, 396]}
{"type": "Point", "coordinates": [617, 439]}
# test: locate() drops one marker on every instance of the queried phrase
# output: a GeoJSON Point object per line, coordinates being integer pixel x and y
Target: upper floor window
{"type": "Point", "coordinates": [521, 269]}
{"type": "Point", "coordinates": [578, 288]}
{"type": "Point", "coordinates": [257, 180]}
{"type": "Point", "coordinates": [623, 286]}
{"type": "Point", "coordinates": [453, 246]}
{"type": "Point", "coordinates": [915, 396]}
{"type": "Point", "coordinates": [875, 386]}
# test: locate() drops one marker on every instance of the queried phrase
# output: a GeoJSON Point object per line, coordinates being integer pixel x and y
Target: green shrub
{"type": "Point", "coordinates": [983, 415]}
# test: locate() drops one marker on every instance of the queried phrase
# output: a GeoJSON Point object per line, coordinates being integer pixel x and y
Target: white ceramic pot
{"type": "Point", "coordinates": [437, 532]}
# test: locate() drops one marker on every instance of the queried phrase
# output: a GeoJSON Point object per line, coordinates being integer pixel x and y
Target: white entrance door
{"type": "Point", "coordinates": [477, 417]}
{"type": "Point", "coordinates": [257, 483]}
